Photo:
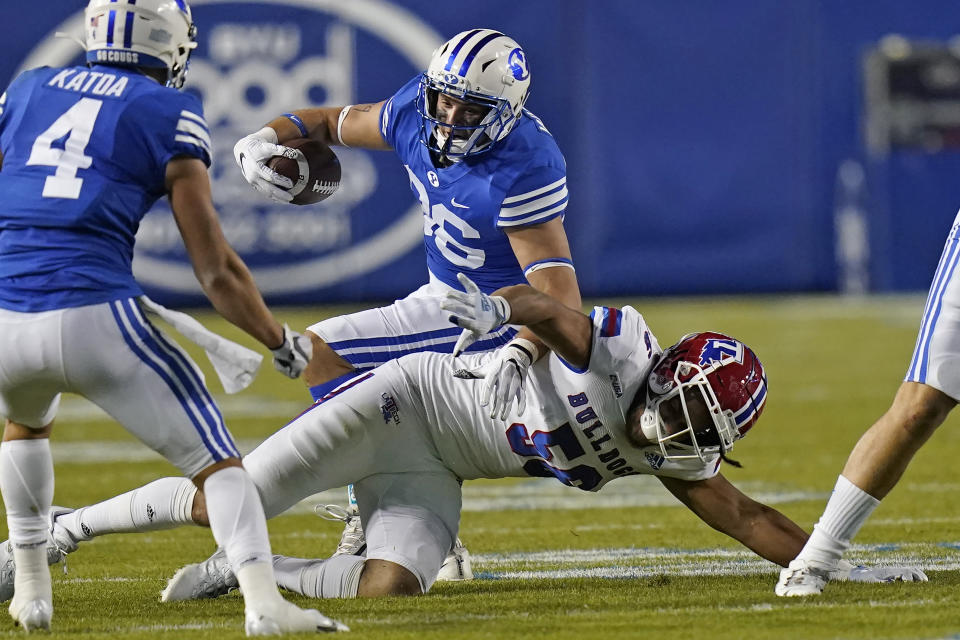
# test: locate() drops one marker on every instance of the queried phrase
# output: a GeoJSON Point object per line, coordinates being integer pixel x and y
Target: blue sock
{"type": "Point", "coordinates": [323, 389]}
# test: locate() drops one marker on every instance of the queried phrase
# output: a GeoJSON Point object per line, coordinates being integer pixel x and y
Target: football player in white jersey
{"type": "Point", "coordinates": [85, 152]}
{"type": "Point", "coordinates": [927, 395]}
{"type": "Point", "coordinates": [606, 403]}
{"type": "Point", "coordinates": [492, 184]}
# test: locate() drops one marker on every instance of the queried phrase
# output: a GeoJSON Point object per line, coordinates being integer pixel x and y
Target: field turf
{"type": "Point", "coordinates": [554, 562]}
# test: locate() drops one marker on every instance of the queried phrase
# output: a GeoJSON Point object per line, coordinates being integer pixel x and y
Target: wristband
{"type": "Point", "coordinates": [526, 346]}
{"type": "Point", "coordinates": [340, 119]}
{"type": "Point", "coordinates": [297, 121]}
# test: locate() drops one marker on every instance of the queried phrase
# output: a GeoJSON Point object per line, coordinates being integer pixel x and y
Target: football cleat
{"type": "Point", "coordinates": [32, 615]}
{"type": "Point", "coordinates": [211, 578]}
{"type": "Point", "coordinates": [802, 578]}
{"type": "Point", "coordinates": [61, 540]}
{"type": "Point", "coordinates": [59, 544]}
{"type": "Point", "coordinates": [456, 566]}
{"type": "Point", "coordinates": [286, 617]}
{"type": "Point", "coordinates": [352, 540]}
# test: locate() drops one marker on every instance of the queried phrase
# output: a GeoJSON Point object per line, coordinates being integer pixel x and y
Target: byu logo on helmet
{"type": "Point", "coordinates": [517, 61]}
{"type": "Point", "coordinates": [716, 350]}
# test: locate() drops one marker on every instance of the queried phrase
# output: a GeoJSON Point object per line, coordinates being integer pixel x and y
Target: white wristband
{"type": "Point", "coordinates": [527, 346]}
{"type": "Point", "coordinates": [340, 119]}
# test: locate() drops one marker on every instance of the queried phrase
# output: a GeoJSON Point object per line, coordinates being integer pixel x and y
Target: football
{"type": "Point", "coordinates": [315, 171]}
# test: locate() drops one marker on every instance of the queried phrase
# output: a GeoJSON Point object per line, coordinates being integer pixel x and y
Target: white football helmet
{"type": "Point", "coordinates": [150, 33]}
{"type": "Point", "coordinates": [481, 66]}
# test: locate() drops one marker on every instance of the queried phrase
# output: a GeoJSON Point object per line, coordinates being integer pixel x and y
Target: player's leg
{"type": "Point", "coordinates": [411, 521]}
{"type": "Point", "coordinates": [26, 481]}
{"type": "Point", "coordinates": [882, 454]}
{"type": "Point", "coordinates": [150, 385]}
{"type": "Point", "coordinates": [31, 378]}
{"type": "Point", "coordinates": [369, 338]}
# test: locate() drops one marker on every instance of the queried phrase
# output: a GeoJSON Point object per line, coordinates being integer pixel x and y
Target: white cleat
{"type": "Point", "coordinates": [208, 579]}
{"type": "Point", "coordinates": [352, 540]}
{"type": "Point", "coordinates": [32, 615]}
{"type": "Point", "coordinates": [802, 578]}
{"type": "Point", "coordinates": [59, 544]}
{"type": "Point", "coordinates": [286, 617]}
{"type": "Point", "coordinates": [456, 566]}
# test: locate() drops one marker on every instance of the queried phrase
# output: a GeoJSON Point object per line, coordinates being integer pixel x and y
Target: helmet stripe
{"type": "Point", "coordinates": [476, 49]}
{"type": "Point", "coordinates": [456, 49]}
{"type": "Point", "coordinates": [756, 403]}
{"type": "Point", "coordinates": [111, 20]}
{"type": "Point", "coordinates": [128, 28]}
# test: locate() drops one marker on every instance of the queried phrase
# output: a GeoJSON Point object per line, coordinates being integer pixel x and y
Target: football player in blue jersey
{"type": "Point", "coordinates": [492, 184]}
{"type": "Point", "coordinates": [86, 151]}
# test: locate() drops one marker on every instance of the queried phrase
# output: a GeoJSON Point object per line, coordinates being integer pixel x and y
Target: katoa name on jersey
{"type": "Point", "coordinates": [95, 82]}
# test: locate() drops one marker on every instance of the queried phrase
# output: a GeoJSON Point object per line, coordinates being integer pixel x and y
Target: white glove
{"type": "Point", "coordinates": [503, 377]}
{"type": "Point", "coordinates": [847, 572]}
{"type": "Point", "coordinates": [252, 154]}
{"type": "Point", "coordinates": [475, 311]}
{"type": "Point", "coordinates": [291, 357]}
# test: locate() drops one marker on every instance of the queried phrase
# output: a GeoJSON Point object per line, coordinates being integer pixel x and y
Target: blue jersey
{"type": "Point", "coordinates": [520, 181]}
{"type": "Point", "coordinates": [84, 158]}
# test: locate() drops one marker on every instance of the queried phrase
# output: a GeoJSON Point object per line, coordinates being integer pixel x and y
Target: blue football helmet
{"type": "Point", "coordinates": [483, 67]}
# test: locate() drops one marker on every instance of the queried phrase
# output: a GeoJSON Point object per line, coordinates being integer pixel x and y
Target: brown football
{"type": "Point", "coordinates": [315, 172]}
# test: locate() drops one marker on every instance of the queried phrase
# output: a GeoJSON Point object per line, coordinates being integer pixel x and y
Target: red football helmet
{"type": "Point", "coordinates": [722, 371]}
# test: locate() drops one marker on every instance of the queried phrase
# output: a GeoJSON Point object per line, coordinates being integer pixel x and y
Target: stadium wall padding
{"type": "Point", "coordinates": [702, 139]}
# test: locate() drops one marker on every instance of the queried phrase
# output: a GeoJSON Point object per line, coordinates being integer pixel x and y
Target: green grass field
{"type": "Point", "coordinates": [554, 562]}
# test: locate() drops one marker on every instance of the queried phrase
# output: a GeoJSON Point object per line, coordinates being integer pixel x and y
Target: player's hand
{"type": "Point", "coordinates": [252, 154]}
{"type": "Point", "coordinates": [877, 574]}
{"type": "Point", "coordinates": [503, 376]}
{"type": "Point", "coordinates": [475, 311]}
{"type": "Point", "coordinates": [291, 357]}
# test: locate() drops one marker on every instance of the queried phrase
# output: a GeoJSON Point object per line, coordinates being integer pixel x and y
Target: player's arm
{"type": "Point", "coordinates": [225, 279]}
{"type": "Point", "coordinates": [540, 243]}
{"type": "Point", "coordinates": [355, 125]}
{"type": "Point", "coordinates": [760, 528]}
{"type": "Point", "coordinates": [568, 332]}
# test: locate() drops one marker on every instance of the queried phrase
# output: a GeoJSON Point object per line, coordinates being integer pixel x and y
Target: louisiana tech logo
{"type": "Point", "coordinates": [517, 61]}
{"type": "Point", "coordinates": [718, 350]}
{"type": "Point", "coordinates": [256, 60]}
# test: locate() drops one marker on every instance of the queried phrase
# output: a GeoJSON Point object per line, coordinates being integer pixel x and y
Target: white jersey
{"type": "Point", "coordinates": [574, 424]}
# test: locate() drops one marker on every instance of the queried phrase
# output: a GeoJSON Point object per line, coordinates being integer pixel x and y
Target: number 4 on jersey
{"type": "Point", "coordinates": [78, 122]}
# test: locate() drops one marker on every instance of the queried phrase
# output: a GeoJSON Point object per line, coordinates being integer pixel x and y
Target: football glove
{"type": "Point", "coordinates": [503, 376]}
{"type": "Point", "coordinates": [847, 572]}
{"type": "Point", "coordinates": [475, 311]}
{"type": "Point", "coordinates": [291, 357]}
{"type": "Point", "coordinates": [253, 152]}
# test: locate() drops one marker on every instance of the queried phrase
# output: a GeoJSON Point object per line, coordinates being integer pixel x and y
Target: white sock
{"type": "Point", "coordinates": [336, 577]}
{"type": "Point", "coordinates": [162, 504]}
{"type": "Point", "coordinates": [239, 526]}
{"type": "Point", "coordinates": [26, 481]}
{"type": "Point", "coordinates": [848, 508]}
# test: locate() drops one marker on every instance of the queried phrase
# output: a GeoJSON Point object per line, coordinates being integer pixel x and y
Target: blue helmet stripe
{"type": "Point", "coordinates": [473, 52]}
{"type": "Point", "coordinates": [128, 28]}
{"type": "Point", "coordinates": [182, 4]}
{"type": "Point", "coordinates": [456, 49]}
{"type": "Point", "coordinates": [112, 18]}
